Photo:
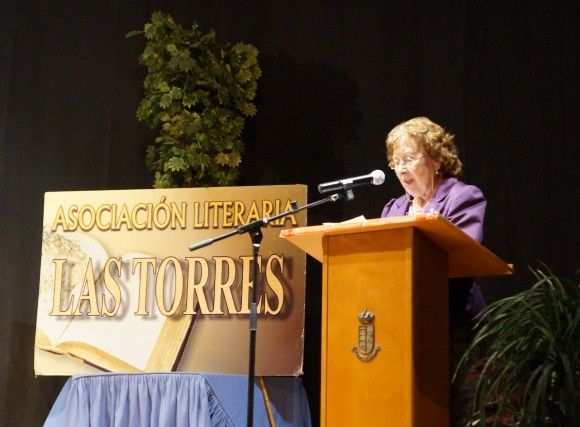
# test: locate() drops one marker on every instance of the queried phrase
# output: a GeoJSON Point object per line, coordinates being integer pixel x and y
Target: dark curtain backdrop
{"type": "Point", "coordinates": [502, 75]}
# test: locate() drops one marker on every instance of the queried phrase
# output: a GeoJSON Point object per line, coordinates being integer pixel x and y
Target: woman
{"type": "Point", "coordinates": [425, 160]}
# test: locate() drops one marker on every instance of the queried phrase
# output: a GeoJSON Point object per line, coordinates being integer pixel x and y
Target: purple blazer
{"type": "Point", "coordinates": [463, 205]}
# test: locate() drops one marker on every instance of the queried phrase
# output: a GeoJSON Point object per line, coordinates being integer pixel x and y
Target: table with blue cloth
{"type": "Point", "coordinates": [176, 399]}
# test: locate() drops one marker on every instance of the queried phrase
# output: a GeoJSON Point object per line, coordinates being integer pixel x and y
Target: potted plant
{"type": "Point", "coordinates": [198, 94]}
{"type": "Point", "coordinates": [530, 375]}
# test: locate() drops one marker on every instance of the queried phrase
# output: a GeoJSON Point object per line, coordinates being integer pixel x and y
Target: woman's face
{"type": "Point", "coordinates": [415, 170]}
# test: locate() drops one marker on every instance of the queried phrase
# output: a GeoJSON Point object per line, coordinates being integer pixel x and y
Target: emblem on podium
{"type": "Point", "coordinates": [367, 349]}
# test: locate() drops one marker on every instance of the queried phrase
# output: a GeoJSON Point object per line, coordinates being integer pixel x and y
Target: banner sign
{"type": "Point", "coordinates": [120, 290]}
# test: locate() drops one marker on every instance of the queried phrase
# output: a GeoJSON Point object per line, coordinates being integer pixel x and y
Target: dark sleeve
{"type": "Point", "coordinates": [467, 211]}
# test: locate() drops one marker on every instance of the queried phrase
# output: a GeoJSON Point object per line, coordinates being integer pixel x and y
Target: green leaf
{"type": "Point", "coordinates": [172, 49]}
{"type": "Point", "coordinates": [134, 33]}
{"type": "Point", "coordinates": [165, 100]}
{"type": "Point", "coordinates": [175, 164]}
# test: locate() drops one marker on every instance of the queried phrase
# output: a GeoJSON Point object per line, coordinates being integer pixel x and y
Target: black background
{"type": "Point", "coordinates": [501, 75]}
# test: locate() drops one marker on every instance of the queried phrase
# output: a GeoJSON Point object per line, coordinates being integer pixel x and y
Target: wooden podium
{"type": "Point", "coordinates": [385, 345]}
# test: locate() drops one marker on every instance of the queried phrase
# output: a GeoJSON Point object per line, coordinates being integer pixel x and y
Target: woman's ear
{"type": "Point", "coordinates": [436, 166]}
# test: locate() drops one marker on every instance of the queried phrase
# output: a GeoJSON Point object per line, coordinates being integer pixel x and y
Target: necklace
{"type": "Point", "coordinates": [415, 208]}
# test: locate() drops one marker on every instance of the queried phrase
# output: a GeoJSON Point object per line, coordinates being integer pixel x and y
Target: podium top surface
{"type": "Point", "coordinates": [467, 258]}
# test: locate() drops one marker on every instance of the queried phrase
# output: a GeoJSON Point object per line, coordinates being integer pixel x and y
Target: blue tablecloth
{"type": "Point", "coordinates": [176, 399]}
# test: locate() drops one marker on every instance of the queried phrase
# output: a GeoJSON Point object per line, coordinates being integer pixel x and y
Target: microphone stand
{"type": "Point", "coordinates": [254, 228]}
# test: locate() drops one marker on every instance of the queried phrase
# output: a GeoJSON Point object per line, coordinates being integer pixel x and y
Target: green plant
{"type": "Point", "coordinates": [198, 94]}
{"type": "Point", "coordinates": [531, 373]}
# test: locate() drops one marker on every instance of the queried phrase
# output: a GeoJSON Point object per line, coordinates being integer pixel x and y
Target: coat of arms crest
{"type": "Point", "coordinates": [366, 350]}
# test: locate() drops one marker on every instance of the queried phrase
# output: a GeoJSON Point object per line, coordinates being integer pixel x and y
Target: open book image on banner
{"type": "Point", "coordinates": [99, 340]}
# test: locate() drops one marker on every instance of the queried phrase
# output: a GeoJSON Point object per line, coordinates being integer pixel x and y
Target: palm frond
{"type": "Point", "coordinates": [532, 365]}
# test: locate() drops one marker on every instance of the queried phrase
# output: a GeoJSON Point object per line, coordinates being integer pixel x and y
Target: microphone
{"type": "Point", "coordinates": [376, 177]}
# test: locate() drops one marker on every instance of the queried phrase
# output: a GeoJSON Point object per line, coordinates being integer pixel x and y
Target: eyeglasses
{"type": "Point", "coordinates": [405, 161]}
